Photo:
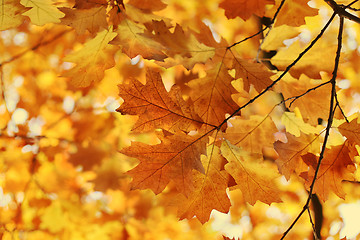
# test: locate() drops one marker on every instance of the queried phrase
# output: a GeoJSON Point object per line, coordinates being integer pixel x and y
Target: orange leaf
{"type": "Point", "coordinates": [212, 95]}
{"type": "Point", "coordinates": [152, 5]}
{"type": "Point", "coordinates": [252, 134]}
{"type": "Point", "coordinates": [209, 189]}
{"type": "Point", "coordinates": [91, 19]}
{"type": "Point", "coordinates": [311, 64]}
{"type": "Point", "coordinates": [156, 107]}
{"type": "Point", "coordinates": [252, 74]}
{"type": "Point", "coordinates": [351, 131]}
{"type": "Point", "coordinates": [293, 13]}
{"type": "Point", "coordinates": [133, 42]}
{"type": "Point", "coordinates": [244, 8]}
{"type": "Point", "coordinates": [181, 47]}
{"type": "Point", "coordinates": [173, 159]}
{"type": "Point", "coordinates": [252, 175]}
{"type": "Point", "coordinates": [335, 167]}
{"type": "Point", "coordinates": [314, 104]}
{"type": "Point", "coordinates": [290, 160]}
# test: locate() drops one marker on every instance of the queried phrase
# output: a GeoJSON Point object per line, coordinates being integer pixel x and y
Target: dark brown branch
{"type": "Point", "coordinates": [341, 10]}
{"type": "Point", "coordinates": [328, 127]}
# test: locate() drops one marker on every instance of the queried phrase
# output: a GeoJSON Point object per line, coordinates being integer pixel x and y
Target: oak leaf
{"type": "Point", "coordinates": [251, 174]}
{"type": "Point", "coordinates": [10, 14]}
{"type": "Point", "coordinates": [91, 19]}
{"type": "Point", "coordinates": [252, 73]}
{"type": "Point", "coordinates": [311, 64]}
{"type": "Point", "coordinates": [156, 107]}
{"type": "Point", "coordinates": [171, 160]}
{"type": "Point", "coordinates": [181, 47]}
{"type": "Point", "coordinates": [351, 131]}
{"type": "Point", "coordinates": [212, 95]}
{"type": "Point", "coordinates": [314, 104]}
{"type": "Point", "coordinates": [133, 42]}
{"type": "Point", "coordinates": [335, 167]}
{"type": "Point", "coordinates": [152, 5]}
{"type": "Point", "coordinates": [244, 8]}
{"type": "Point", "coordinates": [252, 134]}
{"type": "Point", "coordinates": [293, 13]}
{"type": "Point", "coordinates": [294, 124]}
{"type": "Point", "coordinates": [290, 153]}
{"type": "Point", "coordinates": [91, 60]}
{"type": "Point", "coordinates": [209, 189]}
{"type": "Point", "coordinates": [42, 11]}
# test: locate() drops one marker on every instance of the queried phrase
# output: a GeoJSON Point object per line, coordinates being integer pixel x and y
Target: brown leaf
{"type": "Point", "coordinates": [91, 19]}
{"type": "Point", "coordinates": [173, 159]}
{"type": "Point", "coordinates": [252, 73]}
{"type": "Point", "coordinates": [156, 107]}
{"type": "Point", "coordinates": [290, 160]}
{"type": "Point", "coordinates": [212, 95]}
{"type": "Point", "coordinates": [209, 189]}
{"type": "Point", "coordinates": [244, 8]}
{"type": "Point", "coordinates": [351, 131]}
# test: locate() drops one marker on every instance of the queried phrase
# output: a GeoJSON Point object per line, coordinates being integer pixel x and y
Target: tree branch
{"type": "Point", "coordinates": [328, 127]}
{"type": "Point", "coordinates": [341, 10]}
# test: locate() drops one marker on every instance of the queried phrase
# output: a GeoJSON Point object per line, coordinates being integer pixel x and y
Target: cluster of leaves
{"type": "Point", "coordinates": [220, 105]}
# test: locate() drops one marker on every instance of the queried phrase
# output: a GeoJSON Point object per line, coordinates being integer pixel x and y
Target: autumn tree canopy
{"type": "Point", "coordinates": [151, 119]}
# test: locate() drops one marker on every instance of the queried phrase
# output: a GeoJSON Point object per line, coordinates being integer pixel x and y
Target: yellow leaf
{"type": "Point", "coordinates": [294, 124]}
{"type": "Point", "coordinates": [92, 60]}
{"type": "Point", "coordinates": [10, 14]}
{"type": "Point", "coordinates": [255, 178]}
{"type": "Point", "coordinates": [42, 12]}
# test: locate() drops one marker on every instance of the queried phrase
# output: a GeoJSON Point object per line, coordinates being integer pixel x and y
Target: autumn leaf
{"type": "Point", "coordinates": [335, 167]}
{"type": "Point", "coordinates": [171, 160]}
{"type": "Point", "coordinates": [209, 188]}
{"type": "Point", "coordinates": [295, 124]}
{"type": "Point", "coordinates": [133, 42]}
{"type": "Point", "coordinates": [313, 62]}
{"type": "Point", "coordinates": [244, 8]}
{"type": "Point", "coordinates": [42, 11]}
{"type": "Point", "coordinates": [212, 95]}
{"type": "Point", "coordinates": [351, 131]}
{"type": "Point", "coordinates": [156, 107]}
{"type": "Point", "coordinates": [182, 46]}
{"type": "Point", "coordinates": [293, 13]}
{"type": "Point", "coordinates": [252, 134]}
{"type": "Point", "coordinates": [91, 19]}
{"type": "Point", "coordinates": [313, 105]}
{"type": "Point", "coordinates": [10, 14]}
{"type": "Point", "coordinates": [91, 60]}
{"type": "Point", "coordinates": [252, 73]}
{"type": "Point", "coordinates": [251, 174]}
{"type": "Point", "coordinates": [152, 5]}
{"type": "Point", "coordinates": [290, 153]}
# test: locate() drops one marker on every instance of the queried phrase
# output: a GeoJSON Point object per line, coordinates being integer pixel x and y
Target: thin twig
{"type": "Point", "coordinates": [328, 127]}
{"type": "Point", "coordinates": [312, 224]}
{"type": "Point", "coordinates": [303, 94]}
{"type": "Point", "coordinates": [341, 110]}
